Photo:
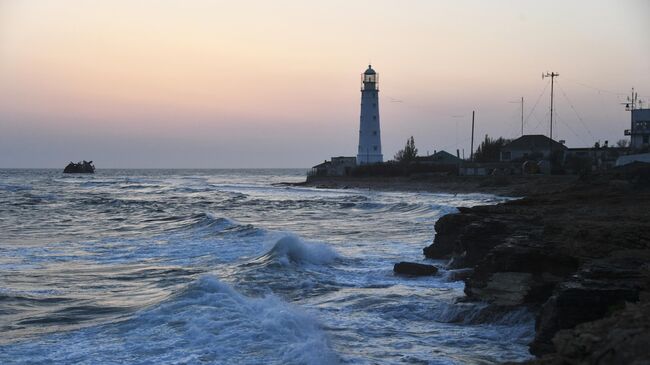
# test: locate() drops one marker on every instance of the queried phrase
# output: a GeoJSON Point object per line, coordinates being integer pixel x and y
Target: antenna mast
{"type": "Point", "coordinates": [471, 153]}
{"type": "Point", "coordinates": [631, 101]}
{"type": "Point", "coordinates": [552, 75]}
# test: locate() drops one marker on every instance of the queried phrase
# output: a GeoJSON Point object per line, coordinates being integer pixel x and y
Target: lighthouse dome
{"type": "Point", "coordinates": [369, 71]}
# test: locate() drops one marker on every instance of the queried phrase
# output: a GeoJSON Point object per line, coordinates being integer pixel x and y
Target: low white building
{"type": "Point", "coordinates": [641, 157]}
{"type": "Point", "coordinates": [639, 131]}
{"type": "Point", "coordinates": [338, 166]}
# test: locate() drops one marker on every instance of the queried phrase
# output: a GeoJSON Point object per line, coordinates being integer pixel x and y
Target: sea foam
{"type": "Point", "coordinates": [208, 322]}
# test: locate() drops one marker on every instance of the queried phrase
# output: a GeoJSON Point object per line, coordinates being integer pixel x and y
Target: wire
{"type": "Point", "coordinates": [557, 117]}
{"type": "Point", "coordinates": [594, 87]}
{"type": "Point", "coordinates": [539, 121]}
{"type": "Point", "coordinates": [535, 106]}
{"type": "Point", "coordinates": [602, 90]}
{"type": "Point", "coordinates": [574, 109]}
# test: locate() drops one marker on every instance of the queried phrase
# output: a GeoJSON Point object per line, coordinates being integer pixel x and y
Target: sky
{"type": "Point", "coordinates": [227, 84]}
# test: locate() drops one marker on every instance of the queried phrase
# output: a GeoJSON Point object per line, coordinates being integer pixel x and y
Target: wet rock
{"type": "Point", "coordinates": [448, 229]}
{"type": "Point", "coordinates": [504, 288]}
{"type": "Point", "coordinates": [414, 269]}
{"type": "Point", "coordinates": [574, 257]}
{"type": "Point", "coordinates": [599, 288]}
{"type": "Point", "coordinates": [533, 270]}
{"type": "Point", "coordinates": [622, 338]}
{"type": "Point", "coordinates": [459, 274]}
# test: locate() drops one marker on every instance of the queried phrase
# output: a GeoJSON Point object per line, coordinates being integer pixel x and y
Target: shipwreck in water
{"type": "Point", "coordinates": [84, 167]}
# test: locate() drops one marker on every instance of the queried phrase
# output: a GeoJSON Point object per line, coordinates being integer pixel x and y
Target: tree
{"type": "Point", "coordinates": [490, 149]}
{"type": "Point", "coordinates": [408, 153]}
{"type": "Point", "coordinates": [623, 143]}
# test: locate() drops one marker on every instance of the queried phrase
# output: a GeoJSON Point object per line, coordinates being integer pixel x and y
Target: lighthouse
{"type": "Point", "coordinates": [369, 134]}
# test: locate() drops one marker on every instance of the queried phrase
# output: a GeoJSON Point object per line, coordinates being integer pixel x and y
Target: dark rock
{"type": "Point", "coordinates": [448, 229]}
{"type": "Point", "coordinates": [85, 167]}
{"type": "Point", "coordinates": [414, 269]}
{"type": "Point", "coordinates": [459, 274]}
{"type": "Point", "coordinates": [620, 339]}
{"type": "Point", "coordinates": [520, 271]}
{"type": "Point", "coordinates": [574, 256]}
{"type": "Point", "coordinates": [599, 288]}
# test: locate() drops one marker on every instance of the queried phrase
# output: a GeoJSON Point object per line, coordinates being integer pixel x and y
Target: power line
{"type": "Point", "coordinates": [539, 121]}
{"type": "Point", "coordinates": [537, 102]}
{"type": "Point", "coordinates": [574, 109]}
{"type": "Point", "coordinates": [571, 129]}
{"type": "Point", "coordinates": [595, 88]}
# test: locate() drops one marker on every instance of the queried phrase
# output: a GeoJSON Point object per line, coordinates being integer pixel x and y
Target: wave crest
{"type": "Point", "coordinates": [291, 249]}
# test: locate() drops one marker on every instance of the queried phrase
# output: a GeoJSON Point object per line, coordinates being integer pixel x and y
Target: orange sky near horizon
{"type": "Point", "coordinates": [247, 79]}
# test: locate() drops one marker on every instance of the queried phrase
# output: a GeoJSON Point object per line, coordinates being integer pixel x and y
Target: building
{"type": "Point", "coordinates": [639, 131]}
{"type": "Point", "coordinates": [439, 158]}
{"type": "Point", "coordinates": [530, 147]}
{"type": "Point", "coordinates": [629, 159]}
{"type": "Point", "coordinates": [338, 166]}
{"type": "Point", "coordinates": [596, 158]}
{"type": "Point", "coordinates": [369, 149]}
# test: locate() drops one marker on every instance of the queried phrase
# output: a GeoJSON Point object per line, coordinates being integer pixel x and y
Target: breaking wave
{"type": "Point", "coordinates": [291, 249]}
{"type": "Point", "coordinates": [208, 322]}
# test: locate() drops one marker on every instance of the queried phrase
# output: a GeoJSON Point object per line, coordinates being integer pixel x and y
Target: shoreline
{"type": "Point", "coordinates": [511, 186]}
{"type": "Point", "coordinates": [576, 251]}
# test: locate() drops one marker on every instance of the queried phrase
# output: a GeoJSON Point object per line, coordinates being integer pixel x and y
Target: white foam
{"type": "Point", "coordinates": [209, 322]}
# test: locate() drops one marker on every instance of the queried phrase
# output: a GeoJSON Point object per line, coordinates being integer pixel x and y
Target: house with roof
{"type": "Point", "coordinates": [439, 158]}
{"type": "Point", "coordinates": [530, 147]}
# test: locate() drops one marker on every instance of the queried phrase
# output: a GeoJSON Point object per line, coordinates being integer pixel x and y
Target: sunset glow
{"type": "Point", "coordinates": [272, 84]}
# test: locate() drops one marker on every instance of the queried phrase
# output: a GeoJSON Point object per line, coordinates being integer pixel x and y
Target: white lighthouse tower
{"type": "Point", "coordinates": [369, 133]}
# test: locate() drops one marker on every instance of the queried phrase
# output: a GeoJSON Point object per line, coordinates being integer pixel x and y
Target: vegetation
{"type": "Point", "coordinates": [408, 153]}
{"type": "Point", "coordinates": [623, 143]}
{"type": "Point", "coordinates": [490, 149]}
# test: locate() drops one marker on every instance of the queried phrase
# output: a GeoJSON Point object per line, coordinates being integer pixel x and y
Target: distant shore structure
{"type": "Point", "coordinates": [369, 133]}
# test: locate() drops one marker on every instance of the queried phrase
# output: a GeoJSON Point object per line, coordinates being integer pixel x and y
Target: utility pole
{"type": "Point", "coordinates": [522, 115]}
{"type": "Point", "coordinates": [471, 153]}
{"type": "Point", "coordinates": [552, 75]}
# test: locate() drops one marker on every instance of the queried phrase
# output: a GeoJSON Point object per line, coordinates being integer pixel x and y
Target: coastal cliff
{"type": "Point", "coordinates": [577, 257]}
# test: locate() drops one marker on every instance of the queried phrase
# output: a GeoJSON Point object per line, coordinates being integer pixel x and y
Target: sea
{"type": "Point", "coordinates": [230, 267]}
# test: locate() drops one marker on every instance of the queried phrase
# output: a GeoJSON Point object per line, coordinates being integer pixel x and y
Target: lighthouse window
{"type": "Point", "coordinates": [374, 104]}
{"type": "Point", "coordinates": [374, 133]}
{"type": "Point", "coordinates": [374, 117]}
{"type": "Point", "coordinates": [374, 148]}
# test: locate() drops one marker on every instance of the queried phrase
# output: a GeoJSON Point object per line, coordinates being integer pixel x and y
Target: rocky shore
{"type": "Point", "coordinates": [515, 186]}
{"type": "Point", "coordinates": [579, 257]}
